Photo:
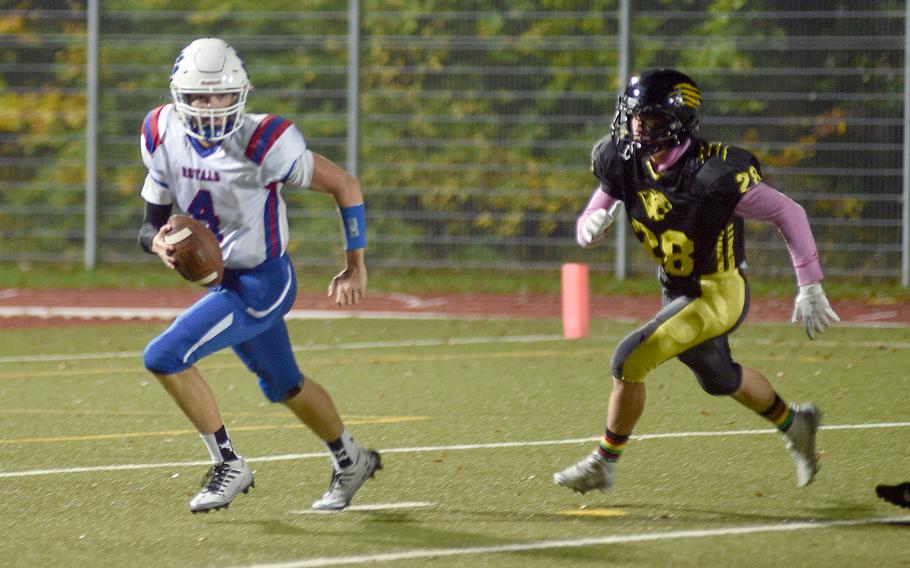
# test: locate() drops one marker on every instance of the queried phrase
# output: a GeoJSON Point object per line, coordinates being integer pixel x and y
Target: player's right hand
{"type": "Point", "coordinates": [350, 285]}
{"type": "Point", "coordinates": [164, 251]}
{"type": "Point", "coordinates": [592, 229]}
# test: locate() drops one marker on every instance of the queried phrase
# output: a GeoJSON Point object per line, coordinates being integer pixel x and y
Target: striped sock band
{"type": "Point", "coordinates": [611, 445]}
{"type": "Point", "coordinates": [779, 414]}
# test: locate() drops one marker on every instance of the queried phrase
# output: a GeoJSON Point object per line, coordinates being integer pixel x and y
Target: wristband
{"type": "Point", "coordinates": [354, 221]}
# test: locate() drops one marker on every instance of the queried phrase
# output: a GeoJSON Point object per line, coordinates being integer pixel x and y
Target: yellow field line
{"type": "Point", "coordinates": [206, 367]}
{"type": "Point", "coordinates": [58, 412]}
{"type": "Point", "coordinates": [376, 359]}
{"type": "Point", "coordinates": [259, 428]}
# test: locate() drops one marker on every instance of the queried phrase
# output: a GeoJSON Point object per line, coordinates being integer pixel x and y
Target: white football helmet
{"type": "Point", "coordinates": [209, 66]}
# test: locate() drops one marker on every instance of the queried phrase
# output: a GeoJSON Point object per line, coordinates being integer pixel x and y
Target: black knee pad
{"type": "Point", "coordinates": [720, 386]}
{"type": "Point", "coordinates": [717, 375]}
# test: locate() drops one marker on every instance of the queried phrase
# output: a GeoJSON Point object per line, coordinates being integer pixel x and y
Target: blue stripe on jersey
{"type": "Point", "coordinates": [203, 151]}
{"type": "Point", "coordinates": [150, 130]}
{"type": "Point", "coordinates": [290, 170]}
{"type": "Point", "coordinates": [159, 182]}
{"type": "Point", "coordinates": [270, 220]}
{"type": "Point", "coordinates": [265, 136]}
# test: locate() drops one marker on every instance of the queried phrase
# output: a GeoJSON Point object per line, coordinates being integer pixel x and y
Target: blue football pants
{"type": "Point", "coordinates": [246, 312]}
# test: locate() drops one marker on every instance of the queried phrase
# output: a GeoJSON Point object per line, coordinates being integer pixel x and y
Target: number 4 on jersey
{"type": "Point", "coordinates": [203, 208]}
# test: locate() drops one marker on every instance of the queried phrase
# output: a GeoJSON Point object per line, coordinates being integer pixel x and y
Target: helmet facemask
{"type": "Point", "coordinates": [209, 66]}
{"type": "Point", "coordinates": [657, 130]}
{"type": "Point", "coordinates": [209, 124]}
{"type": "Point", "coordinates": [622, 130]}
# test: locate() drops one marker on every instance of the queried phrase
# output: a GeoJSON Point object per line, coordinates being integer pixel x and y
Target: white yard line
{"type": "Point", "coordinates": [369, 507]}
{"type": "Point", "coordinates": [421, 553]}
{"type": "Point", "coordinates": [102, 313]}
{"type": "Point", "coordinates": [867, 320]}
{"type": "Point", "coordinates": [448, 448]}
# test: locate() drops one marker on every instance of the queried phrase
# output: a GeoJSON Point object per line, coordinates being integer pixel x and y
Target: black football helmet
{"type": "Point", "coordinates": [668, 105]}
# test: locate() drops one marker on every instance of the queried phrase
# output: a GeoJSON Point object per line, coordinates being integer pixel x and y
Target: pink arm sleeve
{"type": "Point", "coordinates": [599, 200]}
{"type": "Point", "coordinates": [765, 203]}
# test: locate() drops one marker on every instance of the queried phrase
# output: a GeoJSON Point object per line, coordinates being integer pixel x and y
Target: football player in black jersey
{"type": "Point", "coordinates": [686, 199]}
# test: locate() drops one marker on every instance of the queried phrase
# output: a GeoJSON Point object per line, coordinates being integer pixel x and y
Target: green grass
{"type": "Point", "coordinates": [413, 281]}
{"type": "Point", "coordinates": [72, 411]}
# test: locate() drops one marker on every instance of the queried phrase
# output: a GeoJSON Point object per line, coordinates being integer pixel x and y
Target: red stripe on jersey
{"type": "Point", "coordinates": [257, 135]}
{"type": "Point", "coordinates": [265, 136]}
{"type": "Point", "coordinates": [150, 130]}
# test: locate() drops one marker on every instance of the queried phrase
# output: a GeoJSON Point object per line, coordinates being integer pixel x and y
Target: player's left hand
{"type": "Point", "coordinates": [350, 285]}
{"type": "Point", "coordinates": [812, 306]}
{"type": "Point", "coordinates": [164, 251]}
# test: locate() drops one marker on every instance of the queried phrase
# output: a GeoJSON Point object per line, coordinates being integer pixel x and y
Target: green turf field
{"type": "Point", "coordinates": [473, 418]}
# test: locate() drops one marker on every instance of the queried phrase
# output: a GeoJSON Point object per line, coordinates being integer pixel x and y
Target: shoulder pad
{"type": "Point", "coordinates": [730, 166]}
{"type": "Point", "coordinates": [153, 128]}
{"type": "Point", "coordinates": [265, 136]}
{"type": "Point", "coordinates": [604, 158]}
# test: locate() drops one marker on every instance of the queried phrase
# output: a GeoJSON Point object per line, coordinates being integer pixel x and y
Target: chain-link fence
{"type": "Point", "coordinates": [475, 121]}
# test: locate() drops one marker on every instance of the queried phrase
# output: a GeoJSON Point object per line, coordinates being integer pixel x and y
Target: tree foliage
{"type": "Point", "coordinates": [476, 118]}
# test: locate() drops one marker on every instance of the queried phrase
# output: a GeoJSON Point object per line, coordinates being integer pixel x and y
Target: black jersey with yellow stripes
{"type": "Point", "coordinates": [684, 216]}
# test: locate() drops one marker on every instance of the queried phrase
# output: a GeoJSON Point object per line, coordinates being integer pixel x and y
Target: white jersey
{"type": "Point", "coordinates": [234, 186]}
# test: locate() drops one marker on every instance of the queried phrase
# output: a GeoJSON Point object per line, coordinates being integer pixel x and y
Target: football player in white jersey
{"type": "Point", "coordinates": [227, 168]}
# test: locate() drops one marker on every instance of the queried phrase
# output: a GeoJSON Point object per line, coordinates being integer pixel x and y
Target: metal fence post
{"type": "Point", "coordinates": [353, 131]}
{"type": "Point", "coordinates": [624, 57]}
{"type": "Point", "coordinates": [905, 174]}
{"type": "Point", "coordinates": [91, 135]}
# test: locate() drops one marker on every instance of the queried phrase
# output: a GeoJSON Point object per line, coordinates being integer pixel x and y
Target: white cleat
{"type": "Point", "coordinates": [800, 440]}
{"type": "Point", "coordinates": [223, 483]}
{"type": "Point", "coordinates": [347, 482]}
{"type": "Point", "coordinates": [593, 472]}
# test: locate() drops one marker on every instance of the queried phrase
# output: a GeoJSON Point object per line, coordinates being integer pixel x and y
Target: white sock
{"type": "Point", "coordinates": [212, 446]}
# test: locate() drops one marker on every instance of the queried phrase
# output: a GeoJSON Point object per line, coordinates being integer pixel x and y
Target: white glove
{"type": "Point", "coordinates": [593, 229]}
{"type": "Point", "coordinates": [812, 306]}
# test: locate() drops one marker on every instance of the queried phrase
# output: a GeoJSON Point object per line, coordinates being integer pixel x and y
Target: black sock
{"type": "Point", "coordinates": [224, 444]}
{"type": "Point", "coordinates": [341, 454]}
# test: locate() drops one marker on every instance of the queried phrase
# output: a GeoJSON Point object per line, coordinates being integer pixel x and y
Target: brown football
{"type": "Point", "coordinates": [197, 254]}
